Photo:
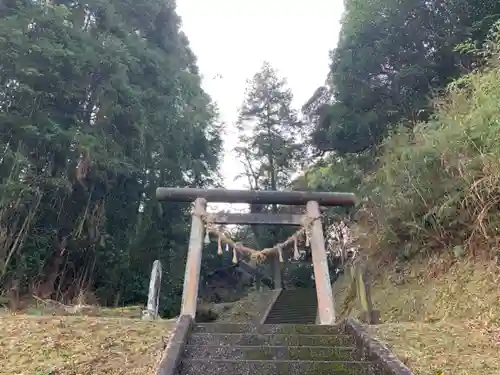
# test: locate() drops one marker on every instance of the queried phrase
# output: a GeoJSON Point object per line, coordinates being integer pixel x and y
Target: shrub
{"type": "Point", "coordinates": [438, 185]}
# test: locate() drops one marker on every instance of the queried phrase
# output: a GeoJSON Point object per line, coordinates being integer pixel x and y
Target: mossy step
{"type": "Point", "coordinates": [311, 329]}
{"type": "Point", "coordinates": [232, 367]}
{"type": "Point", "coordinates": [269, 353]}
{"type": "Point", "coordinates": [258, 339]}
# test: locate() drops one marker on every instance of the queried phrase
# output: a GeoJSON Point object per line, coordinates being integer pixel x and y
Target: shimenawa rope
{"type": "Point", "coordinates": [260, 255]}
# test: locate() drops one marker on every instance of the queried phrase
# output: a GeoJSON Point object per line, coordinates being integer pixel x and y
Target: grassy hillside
{"type": "Point", "coordinates": [430, 234]}
{"type": "Point", "coordinates": [441, 348]}
{"type": "Point", "coordinates": [110, 342]}
{"type": "Point", "coordinates": [431, 290]}
{"type": "Point", "coordinates": [436, 315]}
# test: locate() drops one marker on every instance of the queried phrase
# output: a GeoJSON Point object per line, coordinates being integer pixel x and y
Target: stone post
{"type": "Point", "coordinates": [276, 271]}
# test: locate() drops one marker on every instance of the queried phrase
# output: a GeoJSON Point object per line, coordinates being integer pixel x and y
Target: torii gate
{"type": "Point", "coordinates": [312, 201]}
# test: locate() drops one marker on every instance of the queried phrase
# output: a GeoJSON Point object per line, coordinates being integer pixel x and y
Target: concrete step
{"type": "Point", "coordinates": [269, 353]}
{"type": "Point", "coordinates": [297, 297]}
{"type": "Point", "coordinates": [297, 301]}
{"type": "Point", "coordinates": [290, 329]}
{"type": "Point", "coordinates": [285, 313]}
{"type": "Point", "coordinates": [292, 309]}
{"type": "Point", "coordinates": [288, 312]}
{"type": "Point", "coordinates": [232, 367]}
{"type": "Point", "coordinates": [297, 291]}
{"type": "Point", "coordinates": [241, 339]}
{"type": "Point", "coordinates": [280, 319]}
{"type": "Point", "coordinates": [304, 316]}
{"type": "Point", "coordinates": [293, 304]}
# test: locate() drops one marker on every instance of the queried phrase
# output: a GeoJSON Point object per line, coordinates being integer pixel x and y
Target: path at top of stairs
{"type": "Point", "coordinates": [294, 306]}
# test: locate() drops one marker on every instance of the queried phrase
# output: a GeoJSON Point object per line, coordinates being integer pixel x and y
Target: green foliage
{"type": "Point", "coordinates": [392, 54]}
{"type": "Point", "coordinates": [439, 182]}
{"type": "Point", "coordinates": [100, 103]}
{"type": "Point", "coordinates": [335, 173]}
{"type": "Point", "coordinates": [426, 173]}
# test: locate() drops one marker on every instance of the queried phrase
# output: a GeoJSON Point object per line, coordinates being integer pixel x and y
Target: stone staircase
{"type": "Point", "coordinates": [245, 349]}
{"type": "Point", "coordinates": [287, 343]}
{"type": "Point", "coordinates": [294, 306]}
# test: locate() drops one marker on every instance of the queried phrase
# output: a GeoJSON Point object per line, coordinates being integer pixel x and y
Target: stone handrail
{"type": "Point", "coordinates": [175, 347]}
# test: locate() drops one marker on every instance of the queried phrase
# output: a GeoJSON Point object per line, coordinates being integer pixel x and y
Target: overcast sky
{"type": "Point", "coordinates": [231, 39]}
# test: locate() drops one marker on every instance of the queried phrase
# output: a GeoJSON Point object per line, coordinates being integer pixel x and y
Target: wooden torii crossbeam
{"type": "Point", "coordinates": [312, 201]}
{"type": "Point", "coordinates": [292, 197]}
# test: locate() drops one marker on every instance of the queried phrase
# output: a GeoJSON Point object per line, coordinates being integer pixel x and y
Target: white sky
{"type": "Point", "coordinates": [231, 39]}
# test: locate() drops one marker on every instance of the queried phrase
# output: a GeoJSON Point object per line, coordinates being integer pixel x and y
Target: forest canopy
{"type": "Point", "coordinates": [392, 57]}
{"type": "Point", "coordinates": [100, 103]}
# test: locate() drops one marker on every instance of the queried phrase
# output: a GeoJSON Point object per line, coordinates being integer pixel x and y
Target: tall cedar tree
{"type": "Point", "coordinates": [269, 142]}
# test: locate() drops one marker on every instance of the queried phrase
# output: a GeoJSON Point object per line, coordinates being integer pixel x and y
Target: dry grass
{"type": "Point", "coordinates": [40, 309]}
{"type": "Point", "coordinates": [79, 345]}
{"type": "Point", "coordinates": [248, 309]}
{"type": "Point", "coordinates": [452, 348]}
{"type": "Point", "coordinates": [433, 290]}
{"type": "Point", "coordinates": [437, 314]}
{"type": "Point", "coordinates": [44, 340]}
